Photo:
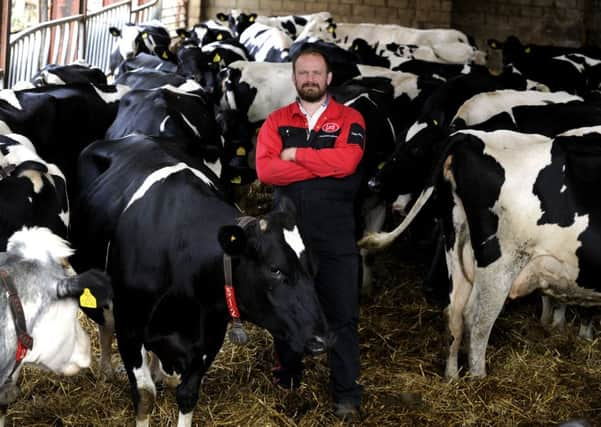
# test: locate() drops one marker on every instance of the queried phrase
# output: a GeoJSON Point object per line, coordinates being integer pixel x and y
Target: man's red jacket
{"type": "Point", "coordinates": [333, 148]}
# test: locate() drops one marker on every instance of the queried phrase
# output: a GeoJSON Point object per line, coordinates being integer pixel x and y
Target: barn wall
{"type": "Point", "coordinates": [557, 22]}
{"type": "Point", "coordinates": [594, 23]}
{"type": "Point", "coordinates": [415, 13]}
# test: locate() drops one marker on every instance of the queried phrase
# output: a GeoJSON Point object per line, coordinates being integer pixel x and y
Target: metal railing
{"type": "Point", "coordinates": [62, 41]}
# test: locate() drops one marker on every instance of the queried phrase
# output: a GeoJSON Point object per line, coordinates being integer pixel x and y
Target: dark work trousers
{"type": "Point", "coordinates": [326, 221]}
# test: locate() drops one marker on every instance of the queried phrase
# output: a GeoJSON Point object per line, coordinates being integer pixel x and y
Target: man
{"type": "Point", "coordinates": [310, 151]}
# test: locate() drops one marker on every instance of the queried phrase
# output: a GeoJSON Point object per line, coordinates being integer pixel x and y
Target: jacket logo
{"type": "Point", "coordinates": [330, 127]}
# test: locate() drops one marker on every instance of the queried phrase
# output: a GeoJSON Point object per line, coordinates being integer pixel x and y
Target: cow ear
{"type": "Point", "coordinates": [92, 287]}
{"type": "Point", "coordinates": [286, 212]}
{"type": "Point", "coordinates": [114, 31]}
{"type": "Point", "coordinates": [232, 239]}
{"type": "Point", "coordinates": [221, 16]}
{"type": "Point", "coordinates": [182, 33]}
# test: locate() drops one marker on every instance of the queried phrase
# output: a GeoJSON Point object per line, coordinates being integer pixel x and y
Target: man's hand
{"type": "Point", "coordinates": [288, 154]}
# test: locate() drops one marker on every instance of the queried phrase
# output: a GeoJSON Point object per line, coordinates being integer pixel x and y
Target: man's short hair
{"type": "Point", "coordinates": [310, 50]}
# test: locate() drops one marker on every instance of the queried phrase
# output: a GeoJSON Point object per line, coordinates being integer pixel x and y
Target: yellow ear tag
{"type": "Point", "coordinates": [232, 238]}
{"type": "Point", "coordinates": [219, 36]}
{"type": "Point", "coordinates": [165, 56]}
{"type": "Point", "coordinates": [145, 35]}
{"type": "Point", "coordinates": [251, 19]}
{"type": "Point", "coordinates": [435, 122]}
{"type": "Point", "coordinates": [240, 151]}
{"type": "Point", "coordinates": [493, 45]}
{"type": "Point", "coordinates": [217, 58]}
{"type": "Point", "coordinates": [236, 180]}
{"type": "Point", "coordinates": [355, 47]}
{"type": "Point", "coordinates": [87, 300]}
{"type": "Point", "coordinates": [381, 165]}
{"type": "Point", "coordinates": [527, 50]}
{"type": "Point", "coordinates": [330, 29]}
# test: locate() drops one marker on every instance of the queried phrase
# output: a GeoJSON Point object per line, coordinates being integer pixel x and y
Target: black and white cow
{"type": "Point", "coordinates": [60, 120]}
{"type": "Point", "coordinates": [39, 300]}
{"type": "Point", "coordinates": [151, 37]}
{"type": "Point", "coordinates": [519, 214]}
{"type": "Point", "coordinates": [169, 294]}
{"type": "Point", "coordinates": [237, 20]}
{"type": "Point", "coordinates": [33, 192]}
{"type": "Point", "coordinates": [203, 64]}
{"type": "Point", "coordinates": [293, 25]}
{"type": "Point", "coordinates": [266, 44]}
{"type": "Point", "coordinates": [205, 32]}
{"type": "Point", "coordinates": [53, 74]}
{"type": "Point", "coordinates": [170, 112]}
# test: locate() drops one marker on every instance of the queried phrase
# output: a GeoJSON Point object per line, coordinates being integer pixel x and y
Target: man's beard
{"type": "Point", "coordinates": [310, 92]}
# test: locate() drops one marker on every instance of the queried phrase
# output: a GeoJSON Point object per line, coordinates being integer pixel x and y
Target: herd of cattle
{"type": "Point", "coordinates": [139, 175]}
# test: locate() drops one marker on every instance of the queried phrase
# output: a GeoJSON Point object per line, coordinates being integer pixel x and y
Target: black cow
{"type": "Point", "coordinates": [169, 293]}
{"type": "Point", "coordinates": [205, 32]}
{"type": "Point", "coordinates": [145, 61]}
{"type": "Point", "coordinates": [39, 309]}
{"type": "Point", "coordinates": [53, 74]}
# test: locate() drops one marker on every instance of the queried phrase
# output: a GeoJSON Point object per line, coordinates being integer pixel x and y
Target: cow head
{"type": "Point", "coordinates": [273, 288]}
{"type": "Point", "coordinates": [237, 20]}
{"type": "Point", "coordinates": [50, 294]}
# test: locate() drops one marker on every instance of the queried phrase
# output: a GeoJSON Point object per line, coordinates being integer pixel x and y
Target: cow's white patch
{"type": "Point", "coordinates": [403, 83]}
{"type": "Point", "coordinates": [163, 123]}
{"type": "Point", "coordinates": [483, 106]}
{"type": "Point", "coordinates": [143, 375]}
{"type": "Point", "coordinates": [51, 78]}
{"type": "Point", "coordinates": [401, 202]}
{"type": "Point", "coordinates": [110, 97]}
{"type": "Point", "coordinates": [414, 130]}
{"type": "Point", "coordinates": [4, 129]}
{"type": "Point", "coordinates": [26, 142]}
{"type": "Point", "coordinates": [232, 48]}
{"type": "Point", "coordinates": [215, 166]}
{"type": "Point", "coordinates": [581, 132]}
{"type": "Point", "coordinates": [160, 175]}
{"type": "Point", "coordinates": [59, 342]}
{"type": "Point", "coordinates": [38, 243]}
{"type": "Point", "coordinates": [294, 240]}
{"type": "Point", "coordinates": [184, 420]}
{"type": "Point", "coordinates": [579, 67]}
{"type": "Point", "coordinates": [194, 128]}
{"type": "Point", "coordinates": [9, 96]}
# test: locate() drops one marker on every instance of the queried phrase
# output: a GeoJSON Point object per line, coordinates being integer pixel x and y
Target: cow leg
{"type": "Point", "coordinates": [374, 214]}
{"type": "Point", "coordinates": [586, 323]}
{"type": "Point", "coordinates": [559, 317]}
{"type": "Point", "coordinates": [136, 361]}
{"type": "Point", "coordinates": [547, 310]}
{"type": "Point", "coordinates": [460, 292]}
{"type": "Point", "coordinates": [105, 339]}
{"type": "Point", "coordinates": [186, 396]}
{"type": "Point", "coordinates": [482, 310]}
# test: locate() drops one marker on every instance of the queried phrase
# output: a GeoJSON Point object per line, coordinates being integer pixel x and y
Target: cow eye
{"type": "Point", "coordinates": [275, 270]}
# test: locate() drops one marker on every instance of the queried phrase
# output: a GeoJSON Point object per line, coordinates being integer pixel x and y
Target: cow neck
{"type": "Point", "coordinates": [24, 340]}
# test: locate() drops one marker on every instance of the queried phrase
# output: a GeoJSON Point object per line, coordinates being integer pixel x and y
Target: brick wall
{"type": "Point", "coordinates": [556, 22]}
{"type": "Point", "coordinates": [593, 24]}
{"type": "Point", "coordinates": [415, 13]}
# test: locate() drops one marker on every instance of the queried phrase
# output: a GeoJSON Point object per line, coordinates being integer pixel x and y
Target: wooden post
{"type": "Point", "coordinates": [5, 6]}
